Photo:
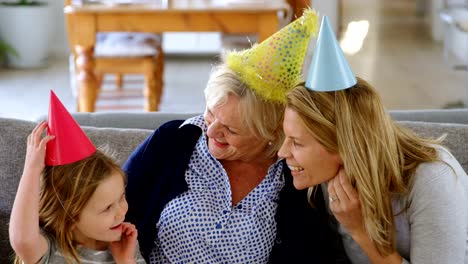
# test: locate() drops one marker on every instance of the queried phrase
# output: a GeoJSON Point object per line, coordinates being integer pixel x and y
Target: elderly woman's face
{"type": "Point", "coordinates": [228, 138]}
{"type": "Point", "coordinates": [309, 161]}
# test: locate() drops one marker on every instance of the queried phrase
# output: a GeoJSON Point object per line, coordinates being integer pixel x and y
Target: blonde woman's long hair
{"type": "Point", "coordinates": [379, 157]}
{"type": "Point", "coordinates": [65, 190]}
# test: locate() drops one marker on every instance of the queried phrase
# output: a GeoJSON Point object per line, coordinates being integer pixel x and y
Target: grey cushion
{"type": "Point", "coordinates": [148, 120]}
{"type": "Point", "coordinates": [13, 134]}
{"type": "Point", "coordinates": [153, 120]}
{"type": "Point", "coordinates": [456, 140]}
{"type": "Point", "coordinates": [456, 116]}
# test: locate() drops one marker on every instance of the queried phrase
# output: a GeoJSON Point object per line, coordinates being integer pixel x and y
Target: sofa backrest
{"type": "Point", "coordinates": [153, 120]}
{"type": "Point", "coordinates": [456, 140]}
{"type": "Point", "coordinates": [143, 120]}
{"type": "Point", "coordinates": [455, 116]}
{"type": "Point", "coordinates": [13, 134]}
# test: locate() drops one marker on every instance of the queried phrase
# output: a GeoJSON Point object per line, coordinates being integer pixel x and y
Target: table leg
{"type": "Point", "coordinates": [151, 90]}
{"type": "Point", "coordinates": [86, 79]}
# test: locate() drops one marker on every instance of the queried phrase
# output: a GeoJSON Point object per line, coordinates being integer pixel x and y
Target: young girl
{"type": "Point", "coordinates": [74, 213]}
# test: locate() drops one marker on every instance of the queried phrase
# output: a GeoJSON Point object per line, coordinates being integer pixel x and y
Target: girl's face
{"type": "Point", "coordinates": [100, 222]}
{"type": "Point", "coordinates": [228, 138]}
{"type": "Point", "coordinates": [309, 161]}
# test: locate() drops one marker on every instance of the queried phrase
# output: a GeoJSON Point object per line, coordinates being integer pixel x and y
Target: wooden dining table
{"type": "Point", "coordinates": [83, 21]}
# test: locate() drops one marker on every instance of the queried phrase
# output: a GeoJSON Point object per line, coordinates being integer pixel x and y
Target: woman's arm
{"type": "Point", "coordinates": [345, 205]}
{"type": "Point", "coordinates": [372, 253]}
{"type": "Point", "coordinates": [156, 174]}
{"type": "Point", "coordinates": [438, 214]}
{"type": "Point", "coordinates": [25, 237]}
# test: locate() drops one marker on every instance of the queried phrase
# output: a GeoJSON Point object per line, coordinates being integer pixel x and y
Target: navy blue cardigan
{"type": "Point", "coordinates": [156, 175]}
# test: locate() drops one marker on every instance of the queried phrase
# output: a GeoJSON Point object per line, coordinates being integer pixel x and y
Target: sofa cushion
{"type": "Point", "coordinates": [456, 140]}
{"type": "Point", "coordinates": [13, 134]}
{"type": "Point", "coordinates": [149, 120]}
{"type": "Point", "coordinates": [146, 120]}
{"type": "Point", "coordinates": [456, 116]}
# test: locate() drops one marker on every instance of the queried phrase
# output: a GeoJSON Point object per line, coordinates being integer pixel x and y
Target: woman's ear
{"type": "Point", "coordinates": [338, 159]}
{"type": "Point", "coordinates": [73, 226]}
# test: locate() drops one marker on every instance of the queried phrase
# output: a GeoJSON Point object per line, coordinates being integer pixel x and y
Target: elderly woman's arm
{"type": "Point", "coordinates": [155, 173]}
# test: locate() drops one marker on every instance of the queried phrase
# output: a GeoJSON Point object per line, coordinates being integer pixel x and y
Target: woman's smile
{"type": "Point", "coordinates": [220, 144]}
{"type": "Point", "coordinates": [295, 170]}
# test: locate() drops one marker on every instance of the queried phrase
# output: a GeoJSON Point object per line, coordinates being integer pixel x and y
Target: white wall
{"type": "Point", "coordinates": [457, 39]}
{"type": "Point", "coordinates": [59, 45]}
{"type": "Point", "coordinates": [328, 8]}
{"type": "Point", "coordinates": [433, 8]}
{"type": "Point", "coordinates": [458, 44]}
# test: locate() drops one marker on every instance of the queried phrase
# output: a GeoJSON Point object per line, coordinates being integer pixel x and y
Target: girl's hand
{"type": "Point", "coordinates": [36, 149]}
{"type": "Point", "coordinates": [124, 251]}
{"type": "Point", "coordinates": [345, 204]}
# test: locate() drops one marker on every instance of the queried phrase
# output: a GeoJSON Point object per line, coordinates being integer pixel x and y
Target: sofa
{"type": "Point", "coordinates": [123, 132]}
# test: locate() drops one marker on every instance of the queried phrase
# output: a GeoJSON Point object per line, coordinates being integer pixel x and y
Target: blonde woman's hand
{"type": "Point", "coordinates": [124, 251]}
{"type": "Point", "coordinates": [36, 150]}
{"type": "Point", "coordinates": [345, 204]}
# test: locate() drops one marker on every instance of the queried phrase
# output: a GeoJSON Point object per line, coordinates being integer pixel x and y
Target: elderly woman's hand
{"type": "Point", "coordinates": [345, 205]}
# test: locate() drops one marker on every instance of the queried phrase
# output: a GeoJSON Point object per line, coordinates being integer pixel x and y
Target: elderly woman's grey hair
{"type": "Point", "coordinates": [262, 118]}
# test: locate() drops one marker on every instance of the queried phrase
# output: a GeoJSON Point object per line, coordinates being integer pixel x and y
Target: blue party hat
{"type": "Point", "coordinates": [329, 70]}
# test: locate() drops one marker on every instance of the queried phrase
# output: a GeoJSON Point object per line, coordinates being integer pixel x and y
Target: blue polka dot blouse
{"type": "Point", "coordinates": [202, 226]}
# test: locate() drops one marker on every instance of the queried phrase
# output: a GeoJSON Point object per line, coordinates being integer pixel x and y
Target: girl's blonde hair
{"type": "Point", "coordinates": [262, 118]}
{"type": "Point", "coordinates": [379, 157]}
{"type": "Point", "coordinates": [65, 190]}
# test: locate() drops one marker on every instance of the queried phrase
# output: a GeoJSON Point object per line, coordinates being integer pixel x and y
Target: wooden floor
{"type": "Point", "coordinates": [397, 56]}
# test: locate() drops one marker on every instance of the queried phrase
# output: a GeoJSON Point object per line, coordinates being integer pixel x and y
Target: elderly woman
{"type": "Point", "coordinates": [398, 198]}
{"type": "Point", "coordinates": [211, 189]}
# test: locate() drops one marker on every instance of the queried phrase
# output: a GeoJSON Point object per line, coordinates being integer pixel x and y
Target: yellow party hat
{"type": "Point", "coordinates": [274, 66]}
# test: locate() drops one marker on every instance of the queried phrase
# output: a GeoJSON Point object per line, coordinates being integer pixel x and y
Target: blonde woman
{"type": "Point", "coordinates": [398, 198]}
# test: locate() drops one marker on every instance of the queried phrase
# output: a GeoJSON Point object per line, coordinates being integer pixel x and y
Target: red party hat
{"type": "Point", "coordinates": [70, 143]}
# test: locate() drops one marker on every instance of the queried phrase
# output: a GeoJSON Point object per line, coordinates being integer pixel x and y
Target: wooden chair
{"type": "Point", "coordinates": [123, 53]}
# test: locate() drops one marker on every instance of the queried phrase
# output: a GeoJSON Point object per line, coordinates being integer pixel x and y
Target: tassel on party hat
{"type": "Point", "coordinates": [70, 143]}
{"type": "Point", "coordinates": [274, 66]}
{"type": "Point", "coordinates": [329, 70]}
